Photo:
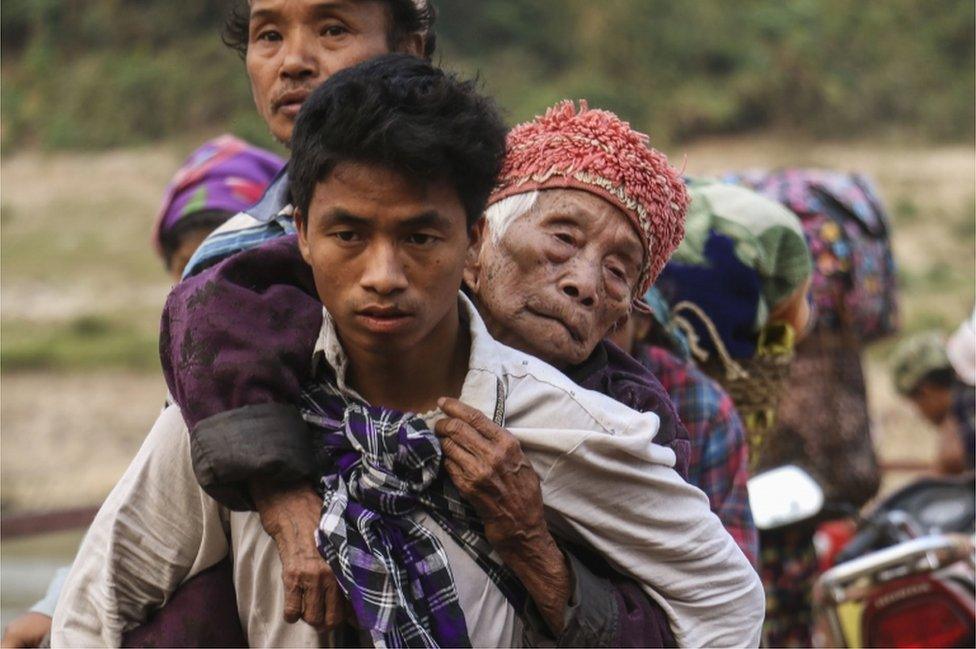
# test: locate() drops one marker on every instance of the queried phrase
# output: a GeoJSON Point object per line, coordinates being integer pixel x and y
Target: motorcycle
{"type": "Point", "coordinates": [907, 578]}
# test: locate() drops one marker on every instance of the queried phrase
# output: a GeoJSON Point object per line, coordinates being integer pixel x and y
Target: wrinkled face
{"type": "Point", "coordinates": [387, 255]}
{"type": "Point", "coordinates": [295, 45]}
{"type": "Point", "coordinates": [560, 277]}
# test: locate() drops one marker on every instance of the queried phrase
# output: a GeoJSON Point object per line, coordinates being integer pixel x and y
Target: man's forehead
{"type": "Point", "coordinates": [362, 189]}
{"type": "Point", "coordinates": [262, 6]}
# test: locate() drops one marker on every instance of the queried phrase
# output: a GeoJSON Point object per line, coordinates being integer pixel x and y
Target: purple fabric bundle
{"type": "Point", "coordinates": [379, 466]}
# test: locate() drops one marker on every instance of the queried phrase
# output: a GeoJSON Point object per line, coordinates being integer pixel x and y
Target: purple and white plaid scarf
{"type": "Point", "coordinates": [379, 467]}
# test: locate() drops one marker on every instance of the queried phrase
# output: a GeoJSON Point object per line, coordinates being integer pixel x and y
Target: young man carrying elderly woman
{"type": "Point", "coordinates": [288, 402]}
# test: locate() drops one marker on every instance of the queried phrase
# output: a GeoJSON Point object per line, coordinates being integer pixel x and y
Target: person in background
{"type": "Point", "coordinates": [222, 177]}
{"type": "Point", "coordinates": [823, 423]}
{"type": "Point", "coordinates": [738, 286]}
{"type": "Point", "coordinates": [922, 373]}
{"type": "Point", "coordinates": [961, 350]}
{"type": "Point", "coordinates": [719, 459]}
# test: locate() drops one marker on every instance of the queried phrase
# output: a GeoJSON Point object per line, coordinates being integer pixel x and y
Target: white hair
{"type": "Point", "coordinates": [502, 214]}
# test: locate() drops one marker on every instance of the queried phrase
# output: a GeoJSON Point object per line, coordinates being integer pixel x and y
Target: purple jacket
{"type": "Point", "coordinates": [236, 344]}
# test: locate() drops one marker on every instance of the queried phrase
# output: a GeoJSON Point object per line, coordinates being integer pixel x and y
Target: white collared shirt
{"type": "Point", "coordinates": [604, 483]}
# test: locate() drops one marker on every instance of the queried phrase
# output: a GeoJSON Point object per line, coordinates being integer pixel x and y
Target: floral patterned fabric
{"type": "Point", "coordinates": [854, 282]}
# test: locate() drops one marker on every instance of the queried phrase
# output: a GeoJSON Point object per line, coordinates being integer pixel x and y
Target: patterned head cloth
{"type": "Point", "coordinates": [743, 254]}
{"type": "Point", "coordinates": [915, 357]}
{"type": "Point", "coordinates": [593, 150]}
{"type": "Point", "coordinates": [225, 174]}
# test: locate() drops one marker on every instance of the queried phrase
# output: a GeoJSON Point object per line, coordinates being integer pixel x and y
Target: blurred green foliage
{"type": "Point", "coordinates": [101, 73]}
{"type": "Point", "coordinates": [82, 343]}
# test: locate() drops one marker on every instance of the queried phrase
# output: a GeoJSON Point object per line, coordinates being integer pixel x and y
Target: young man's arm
{"type": "Point", "coordinates": [611, 495]}
{"type": "Point", "coordinates": [155, 529]}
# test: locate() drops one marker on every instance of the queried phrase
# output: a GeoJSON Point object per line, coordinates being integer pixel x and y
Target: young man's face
{"type": "Point", "coordinates": [387, 255]}
{"type": "Point", "coordinates": [559, 278]}
{"type": "Point", "coordinates": [295, 45]}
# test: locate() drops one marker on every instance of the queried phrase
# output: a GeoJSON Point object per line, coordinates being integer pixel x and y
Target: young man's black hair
{"type": "Point", "coordinates": [404, 114]}
{"type": "Point", "coordinates": [406, 17]}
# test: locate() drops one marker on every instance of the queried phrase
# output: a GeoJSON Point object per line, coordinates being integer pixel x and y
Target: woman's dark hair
{"type": "Point", "coordinates": [406, 115]}
{"type": "Point", "coordinates": [204, 220]}
{"type": "Point", "coordinates": [943, 378]}
{"type": "Point", "coordinates": [406, 17]}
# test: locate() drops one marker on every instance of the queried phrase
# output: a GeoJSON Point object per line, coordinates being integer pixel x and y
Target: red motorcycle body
{"type": "Point", "coordinates": [908, 578]}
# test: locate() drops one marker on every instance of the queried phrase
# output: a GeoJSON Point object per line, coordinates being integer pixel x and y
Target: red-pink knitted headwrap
{"type": "Point", "coordinates": [595, 151]}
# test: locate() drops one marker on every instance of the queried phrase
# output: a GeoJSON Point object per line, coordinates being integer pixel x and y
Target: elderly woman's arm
{"type": "Point", "coordinates": [569, 602]}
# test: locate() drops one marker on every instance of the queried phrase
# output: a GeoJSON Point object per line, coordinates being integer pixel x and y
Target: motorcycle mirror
{"type": "Point", "coordinates": [784, 496]}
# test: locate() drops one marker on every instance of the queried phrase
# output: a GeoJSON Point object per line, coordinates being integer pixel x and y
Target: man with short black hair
{"type": "Point", "coordinates": [289, 48]}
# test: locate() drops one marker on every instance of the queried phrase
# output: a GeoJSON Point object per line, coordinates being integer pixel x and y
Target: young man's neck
{"type": "Point", "coordinates": [413, 380]}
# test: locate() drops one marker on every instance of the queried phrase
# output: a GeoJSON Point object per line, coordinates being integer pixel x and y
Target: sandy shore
{"type": "Point", "coordinates": [67, 438]}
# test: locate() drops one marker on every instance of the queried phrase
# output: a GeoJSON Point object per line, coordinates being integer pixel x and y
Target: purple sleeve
{"type": "Point", "coordinates": [236, 344]}
{"type": "Point", "coordinates": [627, 381]}
{"type": "Point", "coordinates": [181, 622]}
{"type": "Point", "coordinates": [606, 609]}
{"type": "Point", "coordinates": [642, 621]}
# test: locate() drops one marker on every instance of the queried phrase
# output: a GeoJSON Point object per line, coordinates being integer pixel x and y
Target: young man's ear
{"type": "Point", "coordinates": [472, 262]}
{"type": "Point", "coordinates": [302, 227]}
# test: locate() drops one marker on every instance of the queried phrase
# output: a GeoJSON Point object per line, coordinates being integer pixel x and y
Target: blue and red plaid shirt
{"type": "Point", "coordinates": [719, 461]}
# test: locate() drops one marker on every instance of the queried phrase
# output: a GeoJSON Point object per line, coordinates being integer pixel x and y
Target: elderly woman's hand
{"type": "Point", "coordinates": [487, 465]}
{"type": "Point", "coordinates": [290, 515]}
